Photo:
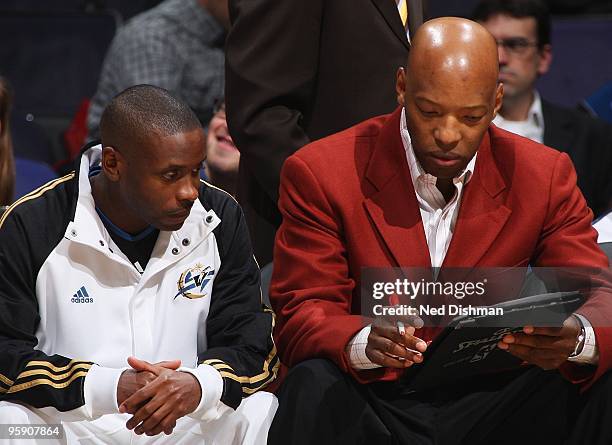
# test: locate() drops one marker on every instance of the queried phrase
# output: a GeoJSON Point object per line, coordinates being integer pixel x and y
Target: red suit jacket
{"type": "Point", "coordinates": [348, 202]}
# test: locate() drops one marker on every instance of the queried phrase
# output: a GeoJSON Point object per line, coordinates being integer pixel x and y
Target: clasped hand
{"type": "Point", "coordinates": [156, 395]}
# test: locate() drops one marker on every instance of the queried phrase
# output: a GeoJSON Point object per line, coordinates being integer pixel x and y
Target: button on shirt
{"type": "Point", "coordinates": [439, 219]}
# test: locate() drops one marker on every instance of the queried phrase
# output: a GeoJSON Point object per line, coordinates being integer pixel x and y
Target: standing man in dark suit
{"type": "Point", "coordinates": [522, 31]}
{"type": "Point", "coordinates": [298, 70]}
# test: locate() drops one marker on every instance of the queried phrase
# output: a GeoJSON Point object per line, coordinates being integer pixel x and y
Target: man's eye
{"type": "Point", "coordinates": [170, 176]}
{"type": "Point", "coordinates": [516, 43]}
{"type": "Point", "coordinates": [473, 119]}
{"type": "Point", "coordinates": [427, 113]}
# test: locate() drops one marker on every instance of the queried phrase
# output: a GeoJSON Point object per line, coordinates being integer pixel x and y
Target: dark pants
{"type": "Point", "coordinates": [321, 405]}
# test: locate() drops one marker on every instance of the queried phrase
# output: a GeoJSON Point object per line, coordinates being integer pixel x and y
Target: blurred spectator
{"type": "Point", "coordinates": [222, 156]}
{"type": "Point", "coordinates": [599, 104]}
{"type": "Point", "coordinates": [298, 70]}
{"type": "Point", "coordinates": [7, 163]}
{"type": "Point", "coordinates": [178, 45]}
{"type": "Point", "coordinates": [522, 30]}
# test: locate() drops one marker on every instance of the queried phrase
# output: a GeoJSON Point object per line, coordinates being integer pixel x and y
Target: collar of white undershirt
{"type": "Point", "coordinates": [416, 170]}
{"type": "Point", "coordinates": [535, 117]}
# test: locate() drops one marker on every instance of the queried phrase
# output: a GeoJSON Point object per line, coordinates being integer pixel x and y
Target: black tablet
{"type": "Point", "coordinates": [468, 345]}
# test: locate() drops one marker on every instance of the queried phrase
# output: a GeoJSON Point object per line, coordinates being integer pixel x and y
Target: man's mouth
{"type": "Point", "coordinates": [446, 160]}
{"type": "Point", "coordinates": [184, 213]}
{"type": "Point", "coordinates": [226, 142]}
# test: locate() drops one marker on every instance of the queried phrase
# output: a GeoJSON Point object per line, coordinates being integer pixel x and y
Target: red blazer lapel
{"type": "Point", "coordinates": [481, 217]}
{"type": "Point", "coordinates": [393, 208]}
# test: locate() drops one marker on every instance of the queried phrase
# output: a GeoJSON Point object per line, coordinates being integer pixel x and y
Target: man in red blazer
{"type": "Point", "coordinates": [432, 184]}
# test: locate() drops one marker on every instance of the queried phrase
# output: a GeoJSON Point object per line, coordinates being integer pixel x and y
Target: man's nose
{"type": "Point", "coordinates": [447, 135]}
{"type": "Point", "coordinates": [188, 190]}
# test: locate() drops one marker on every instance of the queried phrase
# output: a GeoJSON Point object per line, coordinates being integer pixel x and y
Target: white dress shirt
{"type": "Point", "coordinates": [532, 127]}
{"type": "Point", "coordinates": [604, 228]}
{"type": "Point", "coordinates": [439, 220]}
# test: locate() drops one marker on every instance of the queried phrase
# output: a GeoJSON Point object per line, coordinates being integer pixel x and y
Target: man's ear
{"type": "Point", "coordinates": [499, 97]}
{"type": "Point", "coordinates": [400, 85]}
{"type": "Point", "coordinates": [112, 163]}
{"type": "Point", "coordinates": [545, 59]}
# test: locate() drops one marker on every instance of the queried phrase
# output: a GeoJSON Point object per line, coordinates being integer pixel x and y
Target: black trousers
{"type": "Point", "coordinates": [321, 405]}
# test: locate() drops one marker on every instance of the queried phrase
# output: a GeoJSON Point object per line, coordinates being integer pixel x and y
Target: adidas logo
{"type": "Point", "coordinates": [82, 296]}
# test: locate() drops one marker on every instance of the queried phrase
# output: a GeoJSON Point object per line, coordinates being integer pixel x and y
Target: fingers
{"type": "Point", "coordinates": [169, 364]}
{"type": "Point", "coordinates": [393, 349]}
{"type": "Point", "coordinates": [571, 328]}
{"type": "Point", "coordinates": [544, 358]}
{"type": "Point", "coordinates": [169, 429]}
{"type": "Point", "coordinates": [394, 345]}
{"type": "Point", "coordinates": [141, 365]}
{"type": "Point", "coordinates": [408, 340]}
{"type": "Point", "coordinates": [144, 412]}
{"type": "Point", "coordinates": [406, 320]}
{"type": "Point", "coordinates": [543, 342]}
{"type": "Point", "coordinates": [132, 403]}
{"type": "Point", "coordinates": [162, 419]}
{"type": "Point", "coordinates": [382, 359]}
{"type": "Point", "coordinates": [166, 425]}
{"type": "Point", "coordinates": [555, 331]}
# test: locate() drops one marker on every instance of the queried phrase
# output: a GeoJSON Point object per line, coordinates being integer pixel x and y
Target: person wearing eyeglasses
{"type": "Point", "coordinates": [522, 29]}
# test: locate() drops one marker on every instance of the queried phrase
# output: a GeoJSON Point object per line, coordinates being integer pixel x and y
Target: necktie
{"type": "Point", "coordinates": [403, 11]}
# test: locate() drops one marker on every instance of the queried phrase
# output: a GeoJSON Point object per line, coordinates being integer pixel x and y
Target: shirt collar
{"type": "Point", "coordinates": [535, 111]}
{"type": "Point", "coordinates": [416, 170]}
{"type": "Point", "coordinates": [535, 116]}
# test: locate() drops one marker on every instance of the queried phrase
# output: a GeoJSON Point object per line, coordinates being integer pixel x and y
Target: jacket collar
{"type": "Point", "coordinates": [388, 10]}
{"type": "Point", "coordinates": [87, 228]}
{"type": "Point", "coordinates": [558, 127]}
{"type": "Point", "coordinates": [395, 214]}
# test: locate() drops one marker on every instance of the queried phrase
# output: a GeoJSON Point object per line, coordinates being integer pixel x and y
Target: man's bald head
{"type": "Point", "coordinates": [450, 94]}
{"type": "Point", "coordinates": [454, 46]}
{"type": "Point", "coordinates": [142, 111]}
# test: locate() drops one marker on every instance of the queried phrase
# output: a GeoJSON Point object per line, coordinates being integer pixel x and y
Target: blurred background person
{"type": "Point", "coordinates": [177, 45]}
{"type": "Point", "coordinates": [522, 29]}
{"type": "Point", "coordinates": [18, 176]}
{"type": "Point", "coordinates": [222, 156]}
{"type": "Point", "coordinates": [7, 163]}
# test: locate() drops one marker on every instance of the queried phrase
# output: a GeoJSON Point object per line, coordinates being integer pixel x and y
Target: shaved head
{"type": "Point", "coordinates": [451, 46]}
{"type": "Point", "coordinates": [153, 148]}
{"type": "Point", "coordinates": [450, 93]}
{"type": "Point", "coordinates": [141, 112]}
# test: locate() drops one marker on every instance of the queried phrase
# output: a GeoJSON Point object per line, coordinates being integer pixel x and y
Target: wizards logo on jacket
{"type": "Point", "coordinates": [192, 282]}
